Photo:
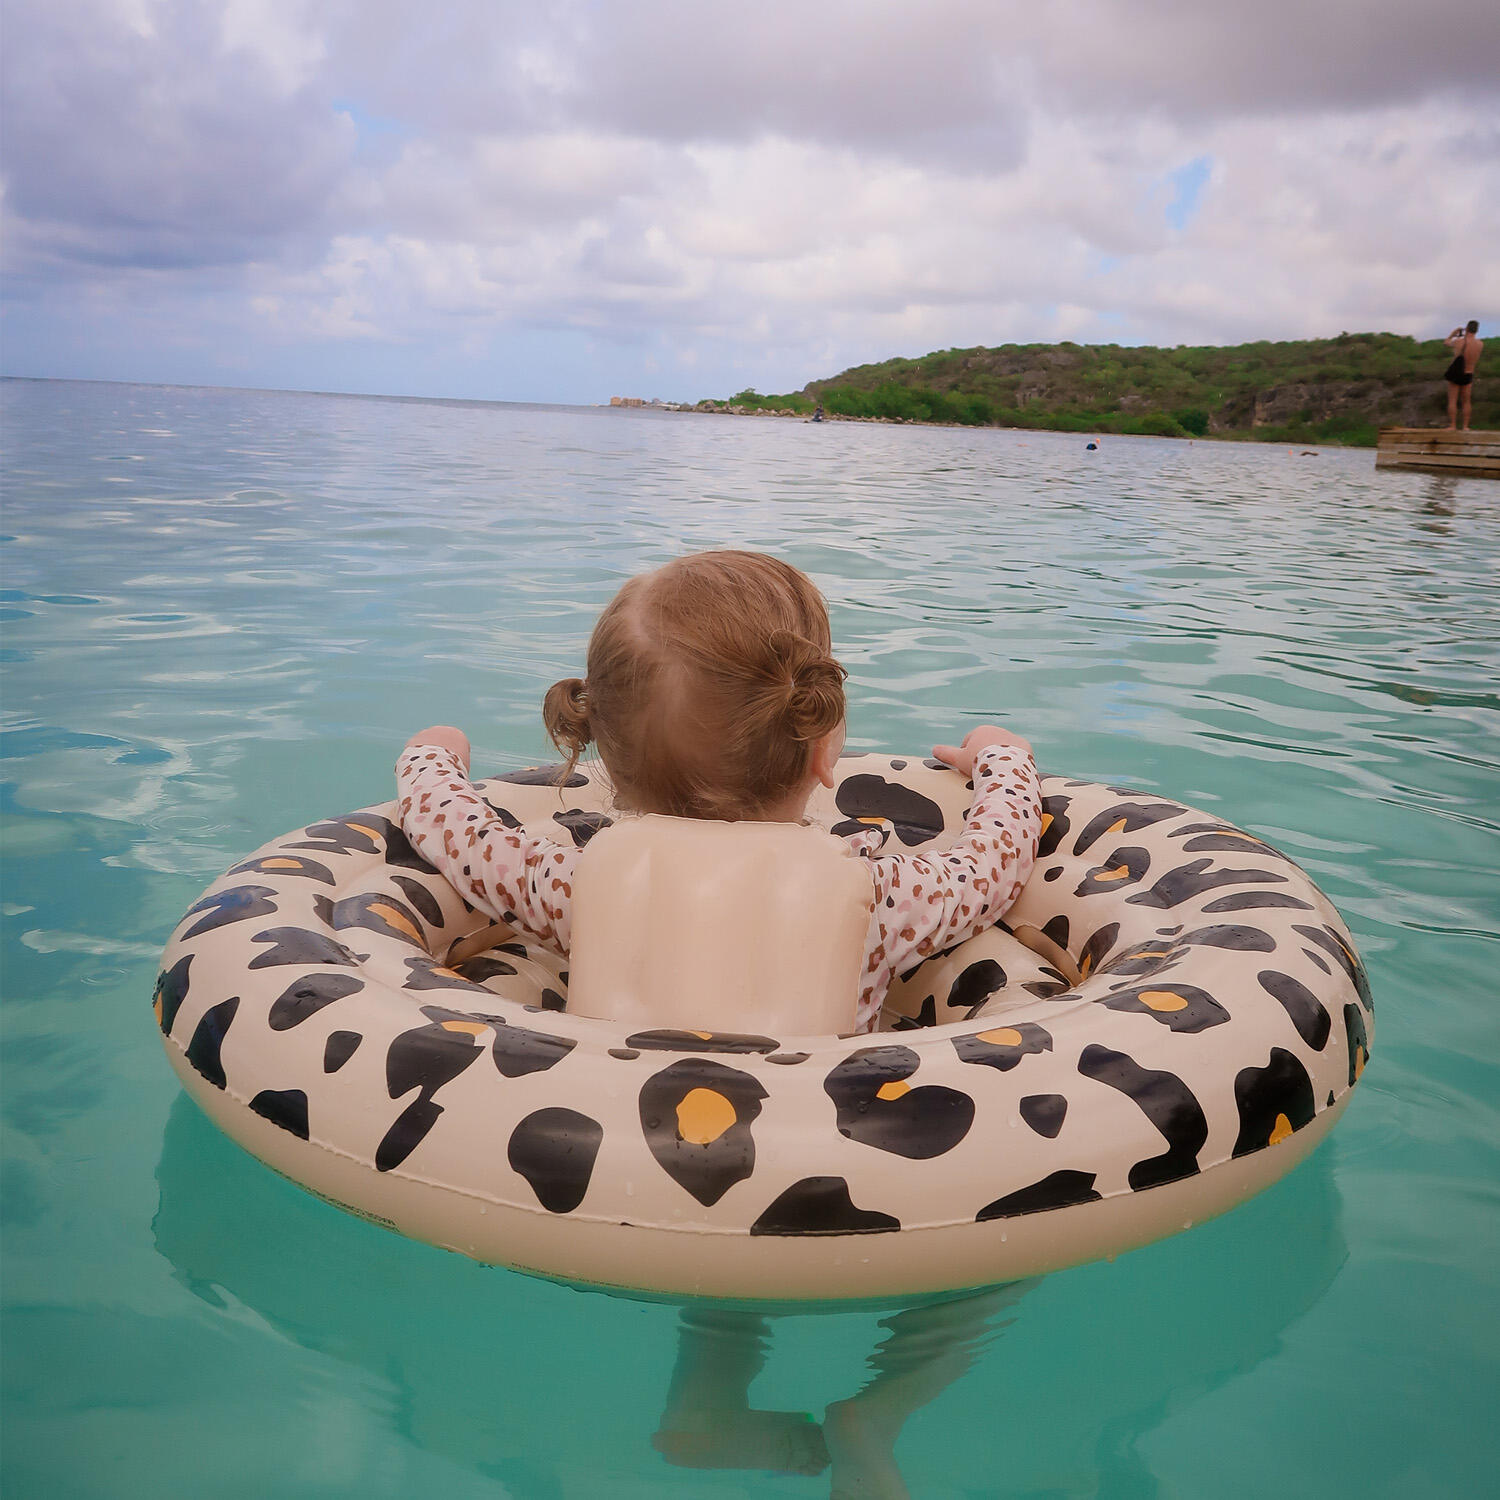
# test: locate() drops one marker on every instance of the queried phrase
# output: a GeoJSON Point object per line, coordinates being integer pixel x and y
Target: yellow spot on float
{"type": "Point", "coordinates": [1085, 966]}
{"type": "Point", "coordinates": [1359, 1062]}
{"type": "Point", "coordinates": [1118, 873]}
{"type": "Point", "coordinates": [703, 1116]}
{"type": "Point", "coordinates": [156, 1009]}
{"type": "Point", "coordinates": [1116, 827]}
{"type": "Point", "coordinates": [281, 864]}
{"type": "Point", "coordinates": [1162, 1000]}
{"type": "Point", "coordinates": [1046, 821]}
{"type": "Point", "coordinates": [1004, 1036]}
{"type": "Point", "coordinates": [396, 919]}
{"type": "Point", "coordinates": [1280, 1130]}
{"type": "Point", "coordinates": [469, 1028]}
{"type": "Point", "coordinates": [703, 1036]}
{"type": "Point", "coordinates": [893, 1090]}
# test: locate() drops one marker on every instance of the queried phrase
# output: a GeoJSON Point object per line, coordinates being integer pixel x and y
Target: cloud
{"type": "Point", "coordinates": [290, 185]}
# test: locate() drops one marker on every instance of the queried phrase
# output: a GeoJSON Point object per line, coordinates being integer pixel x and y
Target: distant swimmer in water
{"type": "Point", "coordinates": [1467, 346]}
{"type": "Point", "coordinates": [817, 416]}
{"type": "Point", "coordinates": [1089, 447]}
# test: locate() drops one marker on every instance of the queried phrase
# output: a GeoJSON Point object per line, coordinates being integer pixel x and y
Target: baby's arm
{"type": "Point", "coordinates": [925, 903]}
{"type": "Point", "coordinates": [522, 880]}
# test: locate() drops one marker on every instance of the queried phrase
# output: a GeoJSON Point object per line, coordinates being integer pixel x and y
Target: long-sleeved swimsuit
{"type": "Point", "coordinates": [924, 903]}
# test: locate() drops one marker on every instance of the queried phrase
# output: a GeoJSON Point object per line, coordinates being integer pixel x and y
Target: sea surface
{"type": "Point", "coordinates": [224, 611]}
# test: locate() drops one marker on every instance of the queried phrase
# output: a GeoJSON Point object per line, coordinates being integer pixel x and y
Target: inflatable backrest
{"type": "Point", "coordinates": [681, 922]}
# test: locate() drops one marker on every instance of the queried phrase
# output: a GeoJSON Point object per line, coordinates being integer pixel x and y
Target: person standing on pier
{"type": "Point", "coordinates": [1467, 346]}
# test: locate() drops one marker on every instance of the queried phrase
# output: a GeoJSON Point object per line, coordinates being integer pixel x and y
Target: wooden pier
{"type": "Point", "coordinates": [1435, 450]}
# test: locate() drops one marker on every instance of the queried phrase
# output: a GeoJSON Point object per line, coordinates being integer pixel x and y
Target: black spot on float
{"type": "Point", "coordinates": [238, 904]}
{"type": "Point", "coordinates": [1055, 824]}
{"type": "Point", "coordinates": [1059, 1190]}
{"type": "Point", "coordinates": [503, 815]}
{"type": "Point", "coordinates": [307, 996]}
{"type": "Point", "coordinates": [424, 1059]}
{"type": "Point", "coordinates": [284, 1107]}
{"type": "Point", "coordinates": [426, 973]}
{"type": "Point", "coordinates": [1346, 958]}
{"type": "Point", "coordinates": [1238, 939]}
{"type": "Point", "coordinates": [1181, 1007]}
{"type": "Point", "coordinates": [1139, 959]}
{"type": "Point", "coordinates": [975, 985]}
{"type": "Point", "coordinates": [1126, 817]}
{"type": "Point", "coordinates": [788, 1059]}
{"type": "Point", "coordinates": [1092, 955]}
{"type": "Point", "coordinates": [296, 945]}
{"type": "Point", "coordinates": [1192, 879]}
{"type": "Point", "coordinates": [354, 834]}
{"type": "Point", "coordinates": [1255, 900]}
{"type": "Point", "coordinates": [171, 991]}
{"type": "Point", "coordinates": [484, 966]}
{"type": "Point", "coordinates": [1052, 874]}
{"type": "Point", "coordinates": [696, 1116]}
{"type": "Point", "coordinates": [917, 819]}
{"type": "Point", "coordinates": [581, 825]}
{"type": "Point", "coordinates": [1123, 867]}
{"type": "Point", "coordinates": [339, 1048]}
{"type": "Point", "coordinates": [1045, 1113]}
{"type": "Point", "coordinates": [701, 1041]}
{"type": "Point", "coordinates": [286, 864]}
{"type": "Point", "coordinates": [555, 1150]}
{"type": "Point", "coordinates": [542, 776]}
{"type": "Point", "coordinates": [208, 1038]}
{"type": "Point", "coordinates": [1317, 959]}
{"type": "Point", "coordinates": [820, 1205]}
{"type": "Point", "coordinates": [1273, 1101]}
{"type": "Point", "coordinates": [1308, 1014]}
{"type": "Point", "coordinates": [625, 1054]}
{"type": "Point", "coordinates": [926, 1016]}
{"type": "Point", "coordinates": [1002, 1046]}
{"type": "Point", "coordinates": [1057, 929]}
{"type": "Point", "coordinates": [1358, 1039]}
{"type": "Point", "coordinates": [519, 1051]}
{"type": "Point", "coordinates": [421, 898]}
{"type": "Point", "coordinates": [551, 1000]}
{"type": "Point", "coordinates": [876, 1107]}
{"type": "Point", "coordinates": [1049, 988]}
{"type": "Point", "coordinates": [374, 911]}
{"type": "Point", "coordinates": [399, 852]}
{"type": "Point", "coordinates": [1165, 1100]}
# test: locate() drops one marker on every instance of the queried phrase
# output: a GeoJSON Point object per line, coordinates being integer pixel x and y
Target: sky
{"type": "Point", "coordinates": [566, 201]}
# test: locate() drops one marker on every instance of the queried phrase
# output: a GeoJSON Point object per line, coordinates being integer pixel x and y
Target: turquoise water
{"type": "Point", "coordinates": [224, 611]}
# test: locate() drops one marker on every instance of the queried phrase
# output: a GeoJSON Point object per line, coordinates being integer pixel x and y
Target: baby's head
{"type": "Point", "coordinates": [710, 686]}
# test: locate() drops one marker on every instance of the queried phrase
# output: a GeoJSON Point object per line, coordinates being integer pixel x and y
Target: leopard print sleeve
{"type": "Point", "coordinates": [925, 903]}
{"type": "Point", "coordinates": [515, 877]}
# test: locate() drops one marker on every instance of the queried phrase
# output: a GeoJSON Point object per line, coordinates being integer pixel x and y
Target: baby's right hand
{"type": "Point", "coordinates": [962, 757]}
{"type": "Point", "coordinates": [446, 737]}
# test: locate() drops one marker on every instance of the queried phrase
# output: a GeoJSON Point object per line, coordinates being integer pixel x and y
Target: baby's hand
{"type": "Point", "coordinates": [446, 737]}
{"type": "Point", "coordinates": [961, 757]}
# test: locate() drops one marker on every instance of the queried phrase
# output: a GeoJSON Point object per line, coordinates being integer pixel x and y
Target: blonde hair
{"type": "Point", "coordinates": [709, 681]}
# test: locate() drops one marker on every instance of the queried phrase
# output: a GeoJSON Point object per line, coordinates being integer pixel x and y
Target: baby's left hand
{"type": "Point", "coordinates": [446, 737]}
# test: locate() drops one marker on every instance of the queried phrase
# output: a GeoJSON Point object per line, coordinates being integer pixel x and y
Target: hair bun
{"type": "Point", "coordinates": [811, 686]}
{"type": "Point", "coordinates": [565, 715]}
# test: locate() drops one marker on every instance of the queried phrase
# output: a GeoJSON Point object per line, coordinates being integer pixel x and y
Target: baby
{"type": "Point", "coordinates": [712, 693]}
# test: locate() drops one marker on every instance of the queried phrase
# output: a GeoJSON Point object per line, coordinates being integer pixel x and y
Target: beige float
{"type": "Point", "coordinates": [1170, 1019]}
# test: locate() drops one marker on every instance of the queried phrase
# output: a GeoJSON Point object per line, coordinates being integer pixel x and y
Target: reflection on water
{"type": "Point", "coordinates": [479, 1360]}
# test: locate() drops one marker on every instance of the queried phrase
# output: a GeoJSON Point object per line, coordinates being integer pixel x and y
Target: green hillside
{"type": "Point", "coordinates": [1335, 390]}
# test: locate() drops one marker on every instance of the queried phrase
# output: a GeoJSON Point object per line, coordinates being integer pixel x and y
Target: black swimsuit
{"type": "Point", "coordinates": [1455, 374]}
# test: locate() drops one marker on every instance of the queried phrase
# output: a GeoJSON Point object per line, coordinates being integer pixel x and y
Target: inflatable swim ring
{"type": "Point", "coordinates": [1171, 1017]}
